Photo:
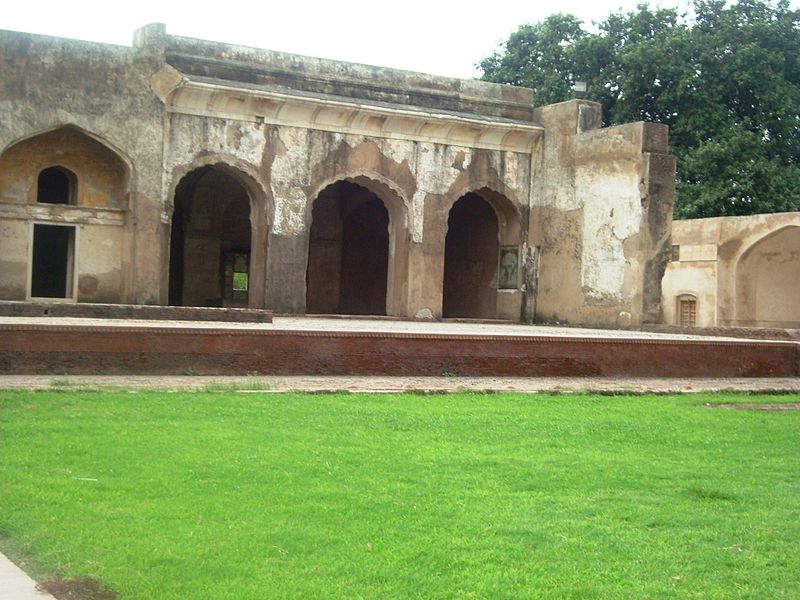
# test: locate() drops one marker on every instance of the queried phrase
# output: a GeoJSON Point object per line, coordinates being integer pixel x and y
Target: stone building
{"type": "Point", "coordinates": [734, 272]}
{"type": "Point", "coordinates": [187, 172]}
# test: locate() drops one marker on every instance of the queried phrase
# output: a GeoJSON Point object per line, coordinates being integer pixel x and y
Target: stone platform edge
{"type": "Point", "coordinates": [145, 312]}
{"type": "Point", "coordinates": [753, 333]}
{"type": "Point", "coordinates": [317, 333]}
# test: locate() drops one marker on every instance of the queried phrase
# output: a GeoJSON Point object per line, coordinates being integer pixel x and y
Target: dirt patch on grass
{"type": "Point", "coordinates": [83, 588]}
{"type": "Point", "coordinates": [782, 406]}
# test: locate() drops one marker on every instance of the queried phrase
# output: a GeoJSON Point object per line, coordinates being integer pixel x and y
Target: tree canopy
{"type": "Point", "coordinates": [725, 79]}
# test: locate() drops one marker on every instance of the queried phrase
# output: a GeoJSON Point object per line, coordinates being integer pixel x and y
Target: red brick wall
{"type": "Point", "coordinates": [99, 350]}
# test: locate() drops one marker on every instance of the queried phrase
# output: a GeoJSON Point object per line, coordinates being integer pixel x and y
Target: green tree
{"type": "Point", "coordinates": [726, 81]}
{"type": "Point", "coordinates": [541, 56]}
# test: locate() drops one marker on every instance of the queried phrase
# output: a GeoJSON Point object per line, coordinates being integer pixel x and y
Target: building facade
{"type": "Point", "coordinates": [187, 172]}
{"type": "Point", "coordinates": [734, 272]}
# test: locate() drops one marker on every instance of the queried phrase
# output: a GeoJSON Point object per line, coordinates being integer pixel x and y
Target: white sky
{"type": "Point", "coordinates": [442, 38]}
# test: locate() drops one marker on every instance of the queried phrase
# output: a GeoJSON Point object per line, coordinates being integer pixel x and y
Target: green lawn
{"type": "Point", "coordinates": [231, 495]}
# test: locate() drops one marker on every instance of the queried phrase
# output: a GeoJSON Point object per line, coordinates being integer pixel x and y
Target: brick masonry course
{"type": "Point", "coordinates": [37, 348]}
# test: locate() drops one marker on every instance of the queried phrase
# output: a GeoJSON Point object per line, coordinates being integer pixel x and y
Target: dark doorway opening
{"type": "Point", "coordinates": [210, 241]}
{"type": "Point", "coordinates": [348, 256]}
{"type": "Point", "coordinates": [470, 260]}
{"type": "Point", "coordinates": [52, 264]}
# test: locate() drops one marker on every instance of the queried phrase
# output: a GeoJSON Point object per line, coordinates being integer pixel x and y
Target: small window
{"type": "Point", "coordinates": [687, 311]}
{"type": "Point", "coordinates": [676, 253]}
{"type": "Point", "coordinates": [56, 185]}
{"type": "Point", "coordinates": [236, 280]}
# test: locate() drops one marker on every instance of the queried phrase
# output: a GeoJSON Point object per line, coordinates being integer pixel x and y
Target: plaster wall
{"type": "Point", "coordinates": [14, 237]}
{"type": "Point", "coordinates": [103, 91]}
{"type": "Point", "coordinates": [693, 278]}
{"type": "Point", "coordinates": [743, 270]}
{"type": "Point", "coordinates": [100, 263]}
{"type": "Point", "coordinates": [418, 182]}
{"type": "Point", "coordinates": [601, 213]}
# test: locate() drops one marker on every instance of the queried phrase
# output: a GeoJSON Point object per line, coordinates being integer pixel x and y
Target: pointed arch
{"type": "Point", "coordinates": [481, 254]}
{"type": "Point", "coordinates": [766, 282]}
{"type": "Point", "coordinates": [86, 161]}
{"type": "Point", "coordinates": [218, 236]}
{"type": "Point", "coordinates": [358, 236]}
{"type": "Point", "coordinates": [358, 247]}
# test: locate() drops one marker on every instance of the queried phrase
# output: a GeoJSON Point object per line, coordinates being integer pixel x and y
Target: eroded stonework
{"type": "Point", "coordinates": [187, 172]}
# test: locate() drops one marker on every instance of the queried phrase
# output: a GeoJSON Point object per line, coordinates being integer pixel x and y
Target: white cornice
{"type": "Point", "coordinates": [256, 104]}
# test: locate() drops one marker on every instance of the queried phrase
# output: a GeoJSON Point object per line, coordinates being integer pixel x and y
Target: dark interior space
{"type": "Point", "coordinates": [348, 256]}
{"type": "Point", "coordinates": [52, 261]}
{"type": "Point", "coordinates": [210, 241]}
{"type": "Point", "coordinates": [177, 240]}
{"type": "Point", "coordinates": [55, 185]}
{"type": "Point", "coordinates": [470, 260]}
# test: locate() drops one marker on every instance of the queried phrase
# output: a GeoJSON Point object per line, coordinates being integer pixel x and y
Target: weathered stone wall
{"type": "Point", "coordinates": [601, 213]}
{"type": "Point", "coordinates": [348, 80]}
{"type": "Point", "coordinates": [101, 92]}
{"type": "Point", "coordinates": [290, 166]}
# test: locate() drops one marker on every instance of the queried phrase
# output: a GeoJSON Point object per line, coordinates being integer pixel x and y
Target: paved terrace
{"type": "Point", "coordinates": [366, 325]}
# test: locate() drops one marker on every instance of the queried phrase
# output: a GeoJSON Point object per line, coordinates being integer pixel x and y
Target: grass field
{"type": "Point", "coordinates": [232, 495]}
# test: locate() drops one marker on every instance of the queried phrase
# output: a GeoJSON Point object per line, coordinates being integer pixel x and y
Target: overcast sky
{"type": "Point", "coordinates": [443, 38]}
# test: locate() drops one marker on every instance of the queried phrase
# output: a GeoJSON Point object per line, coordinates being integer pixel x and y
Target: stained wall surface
{"type": "Point", "coordinates": [741, 271]}
{"type": "Point", "coordinates": [601, 211]}
{"type": "Point", "coordinates": [580, 215]}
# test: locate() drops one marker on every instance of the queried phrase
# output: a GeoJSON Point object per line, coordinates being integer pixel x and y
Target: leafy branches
{"type": "Point", "coordinates": [726, 81]}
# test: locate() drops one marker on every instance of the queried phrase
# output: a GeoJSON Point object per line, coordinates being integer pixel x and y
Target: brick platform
{"type": "Point", "coordinates": [92, 349]}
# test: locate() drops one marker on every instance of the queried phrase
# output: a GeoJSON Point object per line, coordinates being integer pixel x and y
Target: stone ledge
{"type": "Point", "coordinates": [753, 333]}
{"type": "Point", "coordinates": [134, 311]}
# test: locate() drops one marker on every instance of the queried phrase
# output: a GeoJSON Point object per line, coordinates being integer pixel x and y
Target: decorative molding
{"type": "Point", "coordinates": [259, 104]}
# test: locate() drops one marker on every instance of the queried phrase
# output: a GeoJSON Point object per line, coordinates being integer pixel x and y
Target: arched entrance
{"type": "Point", "coordinates": [71, 244]}
{"type": "Point", "coordinates": [767, 285]}
{"type": "Point", "coordinates": [481, 255]}
{"type": "Point", "coordinates": [349, 252]}
{"type": "Point", "coordinates": [211, 242]}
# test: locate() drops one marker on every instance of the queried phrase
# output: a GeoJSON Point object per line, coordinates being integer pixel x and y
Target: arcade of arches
{"type": "Point", "coordinates": [357, 248]}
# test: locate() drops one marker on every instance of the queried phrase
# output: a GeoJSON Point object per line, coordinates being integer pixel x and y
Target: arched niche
{"type": "Point", "coordinates": [481, 254]}
{"type": "Point", "coordinates": [358, 249]}
{"type": "Point", "coordinates": [217, 239]}
{"type": "Point", "coordinates": [56, 185]}
{"type": "Point", "coordinates": [36, 169]}
{"type": "Point", "coordinates": [767, 282]}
